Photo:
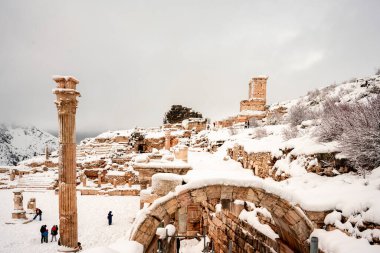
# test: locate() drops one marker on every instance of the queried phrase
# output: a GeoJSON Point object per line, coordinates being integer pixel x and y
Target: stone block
{"type": "Point", "coordinates": [171, 206]}
{"type": "Point", "coordinates": [213, 192]}
{"type": "Point", "coordinates": [199, 195]}
{"type": "Point", "coordinates": [240, 193]}
{"type": "Point", "coordinates": [292, 217]}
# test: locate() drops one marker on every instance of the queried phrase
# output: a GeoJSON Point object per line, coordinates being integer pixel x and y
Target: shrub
{"type": "Point", "coordinates": [313, 94]}
{"type": "Point", "coordinates": [332, 117]}
{"type": "Point", "coordinates": [357, 129]}
{"type": "Point", "coordinates": [361, 135]}
{"type": "Point", "coordinates": [274, 118]}
{"type": "Point", "coordinates": [289, 133]}
{"type": "Point", "coordinates": [297, 114]}
{"type": "Point", "coordinates": [261, 133]}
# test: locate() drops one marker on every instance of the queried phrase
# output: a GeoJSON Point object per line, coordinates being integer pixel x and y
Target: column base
{"type": "Point", "coordinates": [19, 215]}
{"type": "Point", "coordinates": [66, 249]}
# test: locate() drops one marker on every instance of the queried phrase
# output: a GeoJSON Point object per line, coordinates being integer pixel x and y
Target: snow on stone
{"type": "Point", "coordinates": [338, 242]}
{"type": "Point", "coordinates": [59, 77]}
{"type": "Point", "coordinates": [112, 134]}
{"type": "Point", "coordinates": [252, 219]}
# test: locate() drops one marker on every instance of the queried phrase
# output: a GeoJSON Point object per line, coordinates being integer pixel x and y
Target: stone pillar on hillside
{"type": "Point", "coordinates": [47, 154]}
{"type": "Point", "coordinates": [167, 140]}
{"type": "Point", "coordinates": [12, 175]}
{"type": "Point", "coordinates": [66, 105]}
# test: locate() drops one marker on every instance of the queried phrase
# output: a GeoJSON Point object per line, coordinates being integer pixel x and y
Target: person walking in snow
{"type": "Point", "coordinates": [54, 233]}
{"type": "Point", "coordinates": [38, 213]}
{"type": "Point", "coordinates": [42, 231]}
{"type": "Point", "coordinates": [109, 217]}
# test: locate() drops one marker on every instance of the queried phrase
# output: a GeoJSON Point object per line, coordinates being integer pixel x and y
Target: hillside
{"type": "Point", "coordinates": [352, 91]}
{"type": "Point", "coordinates": [18, 143]}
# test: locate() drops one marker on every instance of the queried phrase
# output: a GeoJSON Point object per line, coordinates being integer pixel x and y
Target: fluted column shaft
{"type": "Point", "coordinates": [66, 105]}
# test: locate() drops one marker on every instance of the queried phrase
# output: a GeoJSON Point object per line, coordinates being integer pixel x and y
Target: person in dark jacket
{"type": "Point", "coordinates": [42, 231]}
{"type": "Point", "coordinates": [54, 233]}
{"type": "Point", "coordinates": [109, 217]}
{"type": "Point", "coordinates": [38, 213]}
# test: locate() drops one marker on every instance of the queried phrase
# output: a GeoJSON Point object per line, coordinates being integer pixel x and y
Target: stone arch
{"type": "Point", "coordinates": [294, 227]}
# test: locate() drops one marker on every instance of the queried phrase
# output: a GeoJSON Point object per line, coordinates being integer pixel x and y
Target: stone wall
{"type": "Point", "coordinates": [261, 163]}
{"type": "Point", "coordinates": [252, 105]}
{"type": "Point", "coordinates": [225, 226]}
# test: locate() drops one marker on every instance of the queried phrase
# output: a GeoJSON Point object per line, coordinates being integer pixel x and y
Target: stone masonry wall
{"type": "Point", "coordinates": [261, 163]}
{"type": "Point", "coordinates": [225, 226]}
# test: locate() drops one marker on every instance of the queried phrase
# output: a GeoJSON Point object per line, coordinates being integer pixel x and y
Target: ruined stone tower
{"type": "Point", "coordinates": [66, 103]}
{"type": "Point", "coordinates": [257, 94]}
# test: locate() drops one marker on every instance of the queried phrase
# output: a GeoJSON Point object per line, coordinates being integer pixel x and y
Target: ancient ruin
{"type": "Point", "coordinates": [256, 95]}
{"type": "Point", "coordinates": [66, 103]}
{"type": "Point", "coordinates": [194, 210]}
{"type": "Point", "coordinates": [254, 107]}
{"type": "Point", "coordinates": [18, 210]}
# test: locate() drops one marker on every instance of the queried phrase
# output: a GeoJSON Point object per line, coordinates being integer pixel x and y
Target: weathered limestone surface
{"type": "Point", "coordinates": [32, 204]}
{"type": "Point", "coordinates": [261, 163]}
{"type": "Point", "coordinates": [181, 152]}
{"type": "Point", "coordinates": [18, 210]}
{"type": "Point", "coordinates": [66, 103]}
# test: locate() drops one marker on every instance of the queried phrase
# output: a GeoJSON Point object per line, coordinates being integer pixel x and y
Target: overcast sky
{"type": "Point", "coordinates": [136, 58]}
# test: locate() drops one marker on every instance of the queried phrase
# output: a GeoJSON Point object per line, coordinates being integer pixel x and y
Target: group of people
{"type": "Point", "coordinates": [45, 233]}
{"type": "Point", "coordinates": [54, 229]}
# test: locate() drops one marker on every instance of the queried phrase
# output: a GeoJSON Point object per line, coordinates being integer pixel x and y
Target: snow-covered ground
{"type": "Point", "coordinates": [92, 218]}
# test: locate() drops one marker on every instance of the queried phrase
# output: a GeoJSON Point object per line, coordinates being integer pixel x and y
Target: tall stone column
{"type": "Point", "coordinates": [66, 105]}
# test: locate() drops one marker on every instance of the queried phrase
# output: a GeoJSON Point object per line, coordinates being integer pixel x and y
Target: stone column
{"type": "Point", "coordinates": [167, 139]}
{"type": "Point", "coordinates": [47, 154]}
{"type": "Point", "coordinates": [18, 212]}
{"type": "Point", "coordinates": [99, 179]}
{"type": "Point", "coordinates": [66, 105]}
{"type": "Point", "coordinates": [84, 180]}
{"type": "Point", "coordinates": [114, 182]}
{"type": "Point", "coordinates": [12, 175]}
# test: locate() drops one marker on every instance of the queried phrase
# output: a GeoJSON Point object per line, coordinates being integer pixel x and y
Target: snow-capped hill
{"type": "Point", "coordinates": [352, 91]}
{"type": "Point", "coordinates": [19, 143]}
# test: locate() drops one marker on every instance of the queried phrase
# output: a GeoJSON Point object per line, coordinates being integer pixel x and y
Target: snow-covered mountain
{"type": "Point", "coordinates": [18, 143]}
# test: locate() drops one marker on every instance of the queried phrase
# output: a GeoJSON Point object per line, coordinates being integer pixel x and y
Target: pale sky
{"type": "Point", "coordinates": [136, 58]}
